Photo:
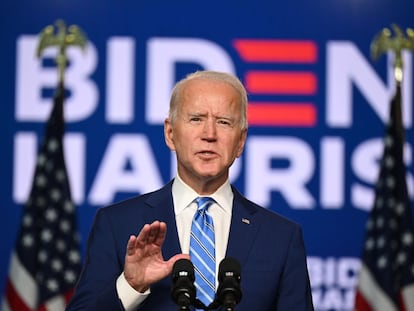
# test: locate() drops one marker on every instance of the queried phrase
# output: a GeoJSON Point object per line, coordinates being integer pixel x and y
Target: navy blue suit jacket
{"type": "Point", "coordinates": [269, 248]}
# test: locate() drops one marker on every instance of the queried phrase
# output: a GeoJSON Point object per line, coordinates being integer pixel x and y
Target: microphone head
{"type": "Point", "coordinates": [229, 292]}
{"type": "Point", "coordinates": [229, 267]}
{"type": "Point", "coordinates": [183, 268]}
{"type": "Point", "coordinates": [183, 291]}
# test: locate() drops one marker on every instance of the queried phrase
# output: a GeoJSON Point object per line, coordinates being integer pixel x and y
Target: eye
{"type": "Point", "coordinates": [225, 122]}
{"type": "Point", "coordinates": [195, 119]}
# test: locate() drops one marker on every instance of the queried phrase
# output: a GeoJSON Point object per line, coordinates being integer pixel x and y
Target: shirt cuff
{"type": "Point", "coordinates": [129, 297]}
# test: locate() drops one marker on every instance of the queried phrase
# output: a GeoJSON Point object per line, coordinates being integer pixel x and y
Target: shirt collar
{"type": "Point", "coordinates": [183, 195]}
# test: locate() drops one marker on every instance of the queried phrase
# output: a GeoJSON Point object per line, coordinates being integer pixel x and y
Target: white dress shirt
{"type": "Point", "coordinates": [184, 210]}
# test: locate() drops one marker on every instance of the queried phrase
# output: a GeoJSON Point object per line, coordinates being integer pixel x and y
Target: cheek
{"type": "Point", "coordinates": [232, 149]}
{"type": "Point", "coordinates": [183, 147]}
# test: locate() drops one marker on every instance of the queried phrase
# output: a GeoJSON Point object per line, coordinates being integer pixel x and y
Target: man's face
{"type": "Point", "coordinates": [206, 134]}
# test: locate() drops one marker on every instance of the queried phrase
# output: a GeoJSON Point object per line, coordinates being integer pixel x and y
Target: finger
{"type": "Point", "coordinates": [154, 232]}
{"type": "Point", "coordinates": [142, 237]}
{"type": "Point", "coordinates": [131, 245]}
{"type": "Point", "coordinates": [159, 239]}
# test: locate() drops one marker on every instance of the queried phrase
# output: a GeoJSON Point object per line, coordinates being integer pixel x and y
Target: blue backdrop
{"type": "Point", "coordinates": [315, 160]}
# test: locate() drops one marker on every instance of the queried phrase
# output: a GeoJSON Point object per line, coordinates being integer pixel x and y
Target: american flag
{"type": "Point", "coordinates": [386, 279]}
{"type": "Point", "coordinates": [45, 263]}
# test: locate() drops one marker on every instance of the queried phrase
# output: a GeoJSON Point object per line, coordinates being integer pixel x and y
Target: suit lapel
{"type": "Point", "coordinates": [243, 228]}
{"type": "Point", "coordinates": [161, 208]}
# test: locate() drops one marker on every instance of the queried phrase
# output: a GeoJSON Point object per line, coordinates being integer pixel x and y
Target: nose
{"type": "Point", "coordinates": [210, 130]}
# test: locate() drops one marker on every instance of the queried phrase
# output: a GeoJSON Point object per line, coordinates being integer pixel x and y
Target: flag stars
{"type": "Point", "coordinates": [42, 256]}
{"type": "Point", "coordinates": [27, 221]}
{"type": "Point", "coordinates": [380, 222]}
{"type": "Point", "coordinates": [60, 175]}
{"type": "Point", "coordinates": [389, 141]}
{"type": "Point", "coordinates": [390, 182]}
{"type": "Point", "coordinates": [60, 245]}
{"type": "Point", "coordinates": [74, 256]}
{"type": "Point", "coordinates": [65, 226]}
{"type": "Point", "coordinates": [53, 145]}
{"type": "Point", "coordinates": [28, 240]}
{"type": "Point", "coordinates": [401, 258]}
{"type": "Point", "coordinates": [390, 261]}
{"type": "Point", "coordinates": [389, 162]}
{"type": "Point", "coordinates": [68, 207]}
{"type": "Point", "coordinates": [46, 235]}
{"type": "Point", "coordinates": [70, 277]}
{"type": "Point", "coordinates": [382, 262]}
{"type": "Point", "coordinates": [400, 209]}
{"type": "Point", "coordinates": [369, 244]}
{"type": "Point", "coordinates": [52, 285]}
{"type": "Point", "coordinates": [41, 159]}
{"type": "Point", "coordinates": [407, 238]}
{"type": "Point", "coordinates": [381, 242]}
{"type": "Point", "coordinates": [57, 265]}
{"type": "Point", "coordinates": [55, 194]}
{"type": "Point", "coordinates": [41, 181]}
{"type": "Point", "coordinates": [51, 214]}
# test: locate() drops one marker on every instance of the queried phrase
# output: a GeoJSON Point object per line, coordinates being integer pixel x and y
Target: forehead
{"type": "Point", "coordinates": [203, 90]}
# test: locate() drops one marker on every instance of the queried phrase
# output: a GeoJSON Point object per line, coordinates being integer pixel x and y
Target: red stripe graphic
{"type": "Point", "coordinates": [282, 114]}
{"type": "Point", "coordinates": [282, 82]}
{"type": "Point", "coordinates": [285, 51]}
{"type": "Point", "coordinates": [278, 82]}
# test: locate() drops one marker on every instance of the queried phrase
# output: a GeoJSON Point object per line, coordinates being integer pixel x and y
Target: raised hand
{"type": "Point", "coordinates": [144, 262]}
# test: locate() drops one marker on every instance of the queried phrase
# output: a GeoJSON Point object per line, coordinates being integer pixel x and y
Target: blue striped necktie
{"type": "Point", "coordinates": [202, 251]}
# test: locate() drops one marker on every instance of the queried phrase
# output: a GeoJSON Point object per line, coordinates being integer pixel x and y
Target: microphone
{"type": "Point", "coordinates": [183, 291]}
{"type": "Point", "coordinates": [229, 292]}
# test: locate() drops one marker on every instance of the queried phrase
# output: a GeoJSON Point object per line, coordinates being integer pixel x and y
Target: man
{"type": "Point", "coordinates": [206, 128]}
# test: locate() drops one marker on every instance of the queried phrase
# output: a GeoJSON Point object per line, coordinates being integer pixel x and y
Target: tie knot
{"type": "Point", "coordinates": [203, 203]}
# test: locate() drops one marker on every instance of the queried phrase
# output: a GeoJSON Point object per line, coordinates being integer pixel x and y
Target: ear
{"type": "Point", "coordinates": [168, 134]}
{"type": "Point", "coordinates": [242, 142]}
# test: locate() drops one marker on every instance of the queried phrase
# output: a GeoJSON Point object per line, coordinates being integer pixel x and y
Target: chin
{"type": "Point", "coordinates": [210, 174]}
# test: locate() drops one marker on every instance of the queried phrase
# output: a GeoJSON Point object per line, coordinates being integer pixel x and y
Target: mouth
{"type": "Point", "coordinates": [206, 154]}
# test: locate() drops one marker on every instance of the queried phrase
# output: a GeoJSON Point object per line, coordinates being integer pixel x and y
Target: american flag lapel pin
{"type": "Point", "coordinates": [246, 221]}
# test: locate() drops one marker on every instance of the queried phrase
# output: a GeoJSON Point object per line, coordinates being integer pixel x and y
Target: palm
{"type": "Point", "coordinates": [144, 263]}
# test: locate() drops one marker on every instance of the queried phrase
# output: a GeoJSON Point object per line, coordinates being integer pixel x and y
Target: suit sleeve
{"type": "Point", "coordinates": [96, 288]}
{"type": "Point", "coordinates": [295, 291]}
